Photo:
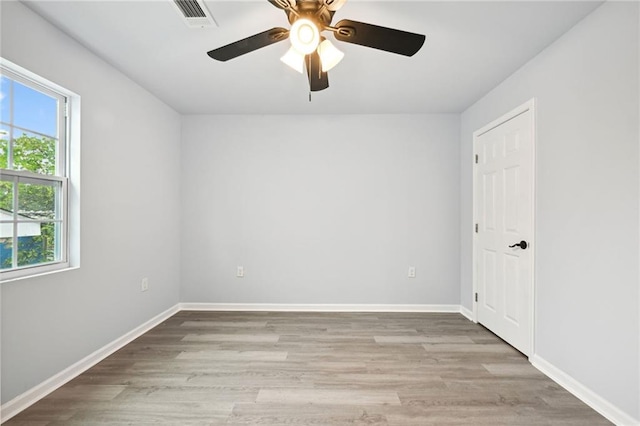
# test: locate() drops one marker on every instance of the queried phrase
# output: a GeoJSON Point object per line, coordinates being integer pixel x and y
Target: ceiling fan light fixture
{"type": "Point", "coordinates": [308, 19]}
{"type": "Point", "coordinates": [304, 36]}
{"type": "Point", "coordinates": [330, 56]}
{"type": "Point", "coordinates": [294, 59]}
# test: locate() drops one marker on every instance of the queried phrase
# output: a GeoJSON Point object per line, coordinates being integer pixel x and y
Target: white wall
{"type": "Point", "coordinates": [321, 209]}
{"type": "Point", "coordinates": [586, 86]}
{"type": "Point", "coordinates": [129, 213]}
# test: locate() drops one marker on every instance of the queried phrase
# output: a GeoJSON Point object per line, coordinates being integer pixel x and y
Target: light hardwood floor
{"type": "Point", "coordinates": [266, 368]}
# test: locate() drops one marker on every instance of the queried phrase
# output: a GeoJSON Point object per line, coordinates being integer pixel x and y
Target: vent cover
{"type": "Point", "coordinates": [195, 13]}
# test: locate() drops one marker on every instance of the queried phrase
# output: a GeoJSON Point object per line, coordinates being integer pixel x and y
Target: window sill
{"type": "Point", "coordinates": [28, 273]}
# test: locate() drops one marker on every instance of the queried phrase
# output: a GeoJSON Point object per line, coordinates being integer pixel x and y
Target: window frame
{"type": "Point", "coordinates": [66, 173]}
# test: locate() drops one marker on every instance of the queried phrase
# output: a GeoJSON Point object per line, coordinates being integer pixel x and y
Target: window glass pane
{"type": "Point", "coordinates": [52, 233]}
{"type": "Point", "coordinates": [34, 110]}
{"type": "Point", "coordinates": [6, 252]}
{"type": "Point", "coordinates": [37, 243]}
{"type": "Point", "coordinates": [5, 100]}
{"type": "Point", "coordinates": [4, 147]}
{"type": "Point", "coordinates": [6, 200]}
{"type": "Point", "coordinates": [34, 153]}
{"type": "Point", "coordinates": [37, 201]}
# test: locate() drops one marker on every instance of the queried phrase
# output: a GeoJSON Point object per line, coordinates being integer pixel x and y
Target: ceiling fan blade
{"type": "Point", "coordinates": [283, 4]}
{"type": "Point", "coordinates": [249, 44]}
{"type": "Point", "coordinates": [318, 80]}
{"type": "Point", "coordinates": [382, 38]}
{"type": "Point", "coordinates": [334, 5]}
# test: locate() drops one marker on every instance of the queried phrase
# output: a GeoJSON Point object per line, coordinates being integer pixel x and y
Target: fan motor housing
{"type": "Point", "coordinates": [313, 10]}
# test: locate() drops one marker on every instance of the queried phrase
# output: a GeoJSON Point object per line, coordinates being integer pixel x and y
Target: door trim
{"type": "Point", "coordinates": [530, 105]}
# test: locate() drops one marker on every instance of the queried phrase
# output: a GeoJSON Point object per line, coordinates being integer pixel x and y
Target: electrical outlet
{"type": "Point", "coordinates": [144, 285]}
{"type": "Point", "coordinates": [412, 272]}
{"type": "Point", "coordinates": [240, 272]}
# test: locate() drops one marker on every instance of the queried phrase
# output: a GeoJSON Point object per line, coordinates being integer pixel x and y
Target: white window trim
{"type": "Point", "coordinates": [71, 179]}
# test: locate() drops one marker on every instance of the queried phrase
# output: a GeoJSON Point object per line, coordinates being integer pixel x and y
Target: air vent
{"type": "Point", "coordinates": [195, 13]}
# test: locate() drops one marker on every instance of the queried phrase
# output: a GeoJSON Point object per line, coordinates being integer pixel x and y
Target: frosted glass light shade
{"type": "Point", "coordinates": [330, 56]}
{"type": "Point", "coordinates": [304, 36]}
{"type": "Point", "coordinates": [294, 59]}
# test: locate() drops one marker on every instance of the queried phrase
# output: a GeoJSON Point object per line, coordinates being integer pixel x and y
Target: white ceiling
{"type": "Point", "coordinates": [470, 48]}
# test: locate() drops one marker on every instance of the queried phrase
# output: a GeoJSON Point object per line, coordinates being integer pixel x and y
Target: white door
{"type": "Point", "coordinates": [503, 252]}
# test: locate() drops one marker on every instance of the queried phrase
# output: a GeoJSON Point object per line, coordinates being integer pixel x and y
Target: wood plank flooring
{"type": "Point", "coordinates": [266, 368]}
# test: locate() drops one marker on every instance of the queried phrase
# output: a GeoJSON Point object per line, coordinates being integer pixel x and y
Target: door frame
{"type": "Point", "coordinates": [530, 105]}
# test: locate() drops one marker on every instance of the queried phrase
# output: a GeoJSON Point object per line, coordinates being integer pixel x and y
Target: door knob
{"type": "Point", "coordinates": [522, 244]}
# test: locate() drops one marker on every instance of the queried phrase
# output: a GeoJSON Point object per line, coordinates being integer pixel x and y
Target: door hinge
{"type": "Point", "coordinates": [476, 297]}
{"type": "Point", "coordinates": [476, 158]}
{"type": "Point", "coordinates": [476, 228]}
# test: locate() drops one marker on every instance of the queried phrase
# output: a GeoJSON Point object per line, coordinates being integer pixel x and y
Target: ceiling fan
{"type": "Point", "coordinates": [308, 19]}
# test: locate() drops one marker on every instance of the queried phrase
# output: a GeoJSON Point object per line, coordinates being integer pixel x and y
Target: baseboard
{"type": "Point", "coordinates": [466, 313]}
{"type": "Point", "coordinates": [33, 395]}
{"type": "Point", "coordinates": [586, 395]}
{"type": "Point", "coordinates": [316, 307]}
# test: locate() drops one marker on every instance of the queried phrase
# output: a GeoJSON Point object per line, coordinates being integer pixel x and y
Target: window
{"type": "Point", "coordinates": [34, 175]}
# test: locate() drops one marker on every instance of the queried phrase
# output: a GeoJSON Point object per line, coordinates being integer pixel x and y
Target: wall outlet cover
{"type": "Point", "coordinates": [412, 272]}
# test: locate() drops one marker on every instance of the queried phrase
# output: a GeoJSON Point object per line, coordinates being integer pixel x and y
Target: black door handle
{"type": "Point", "coordinates": [522, 244]}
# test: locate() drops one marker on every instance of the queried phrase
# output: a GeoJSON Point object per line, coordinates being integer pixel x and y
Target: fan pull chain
{"type": "Point", "coordinates": [310, 71]}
